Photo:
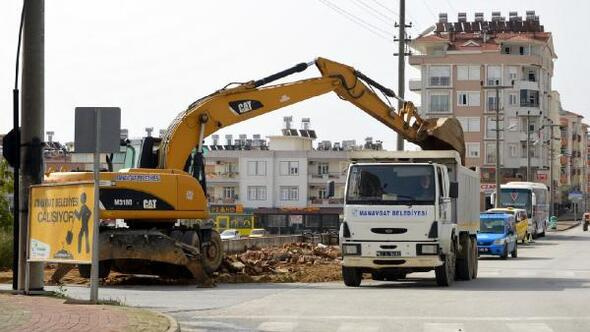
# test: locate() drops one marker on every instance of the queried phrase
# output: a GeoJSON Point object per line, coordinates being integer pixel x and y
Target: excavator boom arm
{"type": "Point", "coordinates": [232, 105]}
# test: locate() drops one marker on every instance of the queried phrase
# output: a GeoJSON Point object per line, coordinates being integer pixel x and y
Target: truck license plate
{"type": "Point", "coordinates": [388, 253]}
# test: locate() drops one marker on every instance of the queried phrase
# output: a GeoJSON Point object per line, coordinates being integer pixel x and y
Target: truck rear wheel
{"type": "Point", "coordinates": [212, 253]}
{"type": "Point", "coordinates": [465, 264]}
{"type": "Point", "coordinates": [445, 274]}
{"type": "Point", "coordinates": [474, 256]}
{"type": "Point", "coordinates": [352, 276]}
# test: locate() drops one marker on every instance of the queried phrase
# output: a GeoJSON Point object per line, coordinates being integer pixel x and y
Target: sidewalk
{"type": "Point", "coordinates": [563, 225]}
{"type": "Point", "coordinates": [41, 313]}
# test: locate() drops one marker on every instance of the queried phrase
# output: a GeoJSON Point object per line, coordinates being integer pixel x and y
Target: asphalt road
{"type": "Point", "coordinates": [547, 288]}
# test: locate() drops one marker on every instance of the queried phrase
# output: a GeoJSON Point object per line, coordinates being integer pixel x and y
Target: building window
{"type": "Point", "coordinates": [529, 98]}
{"type": "Point", "coordinates": [494, 76]}
{"type": "Point", "coordinates": [523, 50]}
{"type": "Point", "coordinates": [491, 152]}
{"type": "Point", "coordinates": [512, 99]}
{"type": "Point", "coordinates": [257, 168]}
{"type": "Point", "coordinates": [290, 193]}
{"type": "Point", "coordinates": [470, 124]}
{"type": "Point", "coordinates": [439, 103]}
{"type": "Point", "coordinates": [473, 150]}
{"type": "Point", "coordinates": [257, 193]}
{"type": "Point", "coordinates": [468, 98]}
{"type": "Point", "coordinates": [512, 73]}
{"type": "Point", "coordinates": [290, 168]}
{"type": "Point", "coordinates": [323, 168]}
{"type": "Point", "coordinates": [513, 150]}
{"type": "Point", "coordinates": [229, 192]}
{"type": "Point", "coordinates": [491, 101]}
{"type": "Point", "coordinates": [491, 128]}
{"type": "Point", "coordinates": [468, 73]}
{"type": "Point", "coordinates": [322, 193]}
{"type": "Point", "coordinates": [440, 75]}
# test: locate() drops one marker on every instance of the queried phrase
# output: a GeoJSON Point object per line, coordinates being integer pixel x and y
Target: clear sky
{"type": "Point", "coordinates": [153, 58]}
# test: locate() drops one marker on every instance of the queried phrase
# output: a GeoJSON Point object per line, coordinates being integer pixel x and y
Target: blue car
{"type": "Point", "coordinates": [497, 235]}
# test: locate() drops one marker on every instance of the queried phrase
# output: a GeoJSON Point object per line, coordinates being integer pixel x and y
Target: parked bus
{"type": "Point", "coordinates": [531, 196]}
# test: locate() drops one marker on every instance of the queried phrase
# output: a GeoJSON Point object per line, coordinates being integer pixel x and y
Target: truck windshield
{"type": "Point", "coordinates": [391, 185]}
{"type": "Point", "coordinates": [517, 198]}
{"type": "Point", "coordinates": [492, 225]}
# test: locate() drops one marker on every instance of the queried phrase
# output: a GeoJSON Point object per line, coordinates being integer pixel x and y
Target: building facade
{"type": "Point", "coordinates": [461, 63]}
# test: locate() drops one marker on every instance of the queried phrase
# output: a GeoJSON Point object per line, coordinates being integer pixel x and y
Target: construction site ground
{"type": "Point", "coordinates": [294, 262]}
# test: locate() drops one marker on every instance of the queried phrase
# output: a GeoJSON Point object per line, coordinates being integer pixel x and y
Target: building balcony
{"type": "Point", "coordinates": [323, 178]}
{"type": "Point", "coordinates": [222, 200]}
{"type": "Point", "coordinates": [415, 85]}
{"type": "Point", "coordinates": [223, 177]}
{"type": "Point", "coordinates": [563, 160]}
{"type": "Point", "coordinates": [526, 84]}
{"type": "Point", "coordinates": [326, 202]}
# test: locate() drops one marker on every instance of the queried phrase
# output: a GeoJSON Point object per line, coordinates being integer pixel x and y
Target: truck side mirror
{"type": "Point", "coordinates": [330, 189]}
{"type": "Point", "coordinates": [454, 190]}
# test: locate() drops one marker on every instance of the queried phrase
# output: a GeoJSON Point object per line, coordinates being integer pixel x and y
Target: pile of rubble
{"type": "Point", "coordinates": [293, 262]}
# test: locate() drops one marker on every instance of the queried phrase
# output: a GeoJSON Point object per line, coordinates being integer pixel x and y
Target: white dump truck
{"type": "Point", "coordinates": [409, 211]}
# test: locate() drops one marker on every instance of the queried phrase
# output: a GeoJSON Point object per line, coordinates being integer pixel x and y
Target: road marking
{"type": "Point", "coordinates": [526, 273]}
{"type": "Point", "coordinates": [277, 326]}
{"type": "Point", "coordinates": [565, 274]}
{"type": "Point", "coordinates": [526, 327]}
{"type": "Point", "coordinates": [395, 318]}
{"type": "Point", "coordinates": [354, 327]}
{"type": "Point", "coordinates": [443, 327]}
{"type": "Point", "coordinates": [205, 325]}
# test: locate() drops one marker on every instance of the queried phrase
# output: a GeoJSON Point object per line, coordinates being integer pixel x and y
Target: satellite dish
{"type": "Point", "coordinates": [427, 31]}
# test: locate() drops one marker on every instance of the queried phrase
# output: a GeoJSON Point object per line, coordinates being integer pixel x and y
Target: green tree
{"type": "Point", "coordinates": [6, 188]}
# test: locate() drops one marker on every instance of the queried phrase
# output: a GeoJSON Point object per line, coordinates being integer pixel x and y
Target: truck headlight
{"type": "Point", "coordinates": [500, 241]}
{"type": "Point", "coordinates": [351, 249]}
{"type": "Point", "coordinates": [427, 249]}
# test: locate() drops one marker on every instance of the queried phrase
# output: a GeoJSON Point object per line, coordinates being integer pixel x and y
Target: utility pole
{"type": "Point", "coordinates": [551, 159]}
{"type": "Point", "coordinates": [497, 87]}
{"type": "Point", "coordinates": [401, 54]}
{"type": "Point", "coordinates": [32, 101]}
{"type": "Point", "coordinates": [528, 142]}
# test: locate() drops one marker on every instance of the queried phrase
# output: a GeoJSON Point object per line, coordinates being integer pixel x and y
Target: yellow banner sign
{"type": "Point", "coordinates": [61, 223]}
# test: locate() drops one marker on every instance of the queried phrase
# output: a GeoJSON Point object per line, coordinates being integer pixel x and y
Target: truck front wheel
{"type": "Point", "coordinates": [445, 274]}
{"type": "Point", "coordinates": [352, 276]}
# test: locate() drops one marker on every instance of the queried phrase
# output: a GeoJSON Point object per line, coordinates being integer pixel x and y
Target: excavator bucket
{"type": "Point", "coordinates": [442, 134]}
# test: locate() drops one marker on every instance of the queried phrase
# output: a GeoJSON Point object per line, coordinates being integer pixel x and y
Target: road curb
{"type": "Point", "coordinates": [578, 223]}
{"type": "Point", "coordinates": [173, 324]}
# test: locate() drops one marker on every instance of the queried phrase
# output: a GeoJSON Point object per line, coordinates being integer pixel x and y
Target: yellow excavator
{"type": "Point", "coordinates": [170, 186]}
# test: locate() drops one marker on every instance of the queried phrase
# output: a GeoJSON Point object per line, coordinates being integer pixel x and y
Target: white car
{"type": "Point", "coordinates": [230, 234]}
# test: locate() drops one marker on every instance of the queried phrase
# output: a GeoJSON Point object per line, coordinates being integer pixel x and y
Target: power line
{"type": "Point", "coordinates": [362, 23]}
{"type": "Point", "coordinates": [385, 7]}
{"type": "Point", "coordinates": [374, 12]}
{"type": "Point", "coordinates": [429, 8]}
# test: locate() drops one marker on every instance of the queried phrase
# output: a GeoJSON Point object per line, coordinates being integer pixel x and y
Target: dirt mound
{"type": "Point", "coordinates": [294, 262]}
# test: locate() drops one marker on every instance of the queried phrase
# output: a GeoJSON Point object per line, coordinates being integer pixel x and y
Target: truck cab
{"type": "Point", "coordinates": [401, 217]}
{"type": "Point", "coordinates": [497, 235]}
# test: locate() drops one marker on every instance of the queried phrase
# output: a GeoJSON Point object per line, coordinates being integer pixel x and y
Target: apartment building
{"type": "Point", "coordinates": [282, 180]}
{"type": "Point", "coordinates": [573, 155]}
{"type": "Point", "coordinates": [460, 63]}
